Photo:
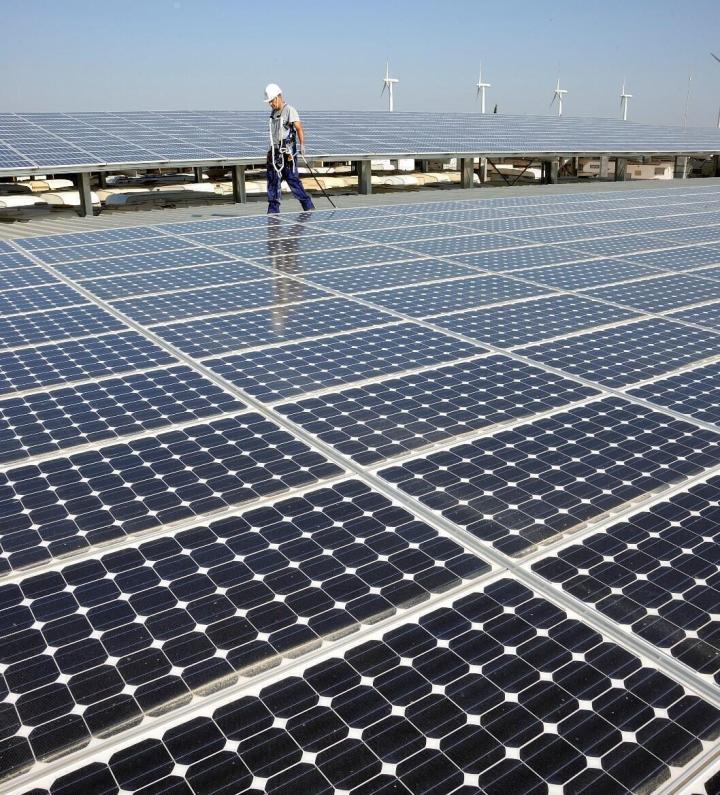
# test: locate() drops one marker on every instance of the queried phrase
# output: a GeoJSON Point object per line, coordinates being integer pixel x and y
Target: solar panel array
{"type": "Point", "coordinates": [413, 499]}
{"type": "Point", "coordinates": [83, 140]}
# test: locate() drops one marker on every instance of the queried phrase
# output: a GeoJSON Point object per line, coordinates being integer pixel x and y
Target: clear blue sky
{"type": "Point", "coordinates": [330, 54]}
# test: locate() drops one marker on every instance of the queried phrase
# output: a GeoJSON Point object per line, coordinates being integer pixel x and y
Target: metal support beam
{"type": "Point", "coordinates": [83, 186]}
{"type": "Point", "coordinates": [550, 169]}
{"type": "Point", "coordinates": [238, 185]}
{"type": "Point", "coordinates": [364, 168]}
{"type": "Point", "coordinates": [423, 166]}
{"type": "Point", "coordinates": [604, 167]}
{"type": "Point", "coordinates": [467, 172]}
{"type": "Point", "coordinates": [716, 164]}
{"type": "Point", "coordinates": [482, 170]}
{"type": "Point", "coordinates": [102, 179]}
{"type": "Point", "coordinates": [197, 174]}
{"type": "Point", "coordinates": [681, 167]}
{"type": "Point", "coordinates": [620, 169]}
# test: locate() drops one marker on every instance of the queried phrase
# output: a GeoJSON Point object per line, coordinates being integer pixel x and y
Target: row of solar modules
{"type": "Point", "coordinates": [43, 140]}
{"type": "Point", "coordinates": [453, 364]}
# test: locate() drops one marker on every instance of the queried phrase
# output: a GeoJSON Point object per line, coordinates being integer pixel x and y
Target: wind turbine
{"type": "Point", "coordinates": [481, 91]}
{"type": "Point", "coordinates": [624, 97]}
{"type": "Point", "coordinates": [558, 95]}
{"type": "Point", "coordinates": [388, 84]}
{"type": "Point", "coordinates": [718, 60]}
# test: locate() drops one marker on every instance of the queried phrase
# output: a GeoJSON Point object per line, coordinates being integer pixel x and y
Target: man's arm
{"type": "Point", "coordinates": [300, 135]}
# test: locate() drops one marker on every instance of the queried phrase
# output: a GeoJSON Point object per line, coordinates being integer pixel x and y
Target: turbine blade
{"type": "Point", "coordinates": [715, 57]}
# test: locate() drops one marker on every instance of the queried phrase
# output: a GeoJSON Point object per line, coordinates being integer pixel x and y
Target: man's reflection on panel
{"type": "Point", "coordinates": [283, 243]}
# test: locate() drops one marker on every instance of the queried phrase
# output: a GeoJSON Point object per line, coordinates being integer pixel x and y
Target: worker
{"type": "Point", "coordinates": [286, 134]}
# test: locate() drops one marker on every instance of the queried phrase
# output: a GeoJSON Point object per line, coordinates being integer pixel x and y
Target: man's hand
{"type": "Point", "coordinates": [302, 150]}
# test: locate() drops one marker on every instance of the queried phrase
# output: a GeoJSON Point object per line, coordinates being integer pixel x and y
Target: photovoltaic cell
{"type": "Point", "coordinates": [281, 372]}
{"type": "Point", "coordinates": [211, 606]}
{"type": "Point", "coordinates": [64, 505]}
{"type": "Point", "coordinates": [77, 360]}
{"type": "Point", "coordinates": [520, 323]}
{"type": "Point", "coordinates": [660, 295]}
{"type": "Point", "coordinates": [521, 487]}
{"type": "Point", "coordinates": [433, 299]}
{"type": "Point", "coordinates": [500, 691]}
{"type": "Point", "coordinates": [708, 316]}
{"type": "Point", "coordinates": [228, 272]}
{"type": "Point", "coordinates": [49, 421]}
{"type": "Point", "coordinates": [655, 574]}
{"type": "Point", "coordinates": [190, 303]}
{"type": "Point", "coordinates": [694, 392]}
{"type": "Point", "coordinates": [21, 330]}
{"type": "Point", "coordinates": [202, 338]}
{"type": "Point", "coordinates": [386, 418]}
{"type": "Point", "coordinates": [13, 302]}
{"type": "Point", "coordinates": [620, 356]}
{"type": "Point", "coordinates": [584, 274]}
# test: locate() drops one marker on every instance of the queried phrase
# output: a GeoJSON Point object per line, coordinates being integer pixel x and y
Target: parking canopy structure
{"type": "Point", "coordinates": [415, 499]}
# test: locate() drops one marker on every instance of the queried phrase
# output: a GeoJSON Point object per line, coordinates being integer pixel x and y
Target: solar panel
{"type": "Point", "coordinates": [93, 139]}
{"type": "Point", "coordinates": [358, 503]}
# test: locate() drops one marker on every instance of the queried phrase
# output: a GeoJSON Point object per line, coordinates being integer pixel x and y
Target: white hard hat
{"type": "Point", "coordinates": [272, 90]}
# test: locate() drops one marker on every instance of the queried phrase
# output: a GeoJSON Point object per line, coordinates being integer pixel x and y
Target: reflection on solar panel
{"type": "Point", "coordinates": [344, 518]}
{"type": "Point", "coordinates": [87, 139]}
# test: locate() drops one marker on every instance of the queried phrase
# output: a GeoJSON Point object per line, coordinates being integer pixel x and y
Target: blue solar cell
{"type": "Point", "coordinates": [679, 259]}
{"type": "Point", "coordinates": [285, 322]}
{"type": "Point", "coordinates": [274, 373]}
{"type": "Point", "coordinates": [49, 421]}
{"type": "Point", "coordinates": [76, 360]}
{"type": "Point", "coordinates": [397, 274]}
{"type": "Point", "coordinates": [620, 356]}
{"type": "Point", "coordinates": [249, 295]}
{"type": "Point", "coordinates": [585, 274]}
{"type": "Point", "coordinates": [33, 298]}
{"type": "Point", "coordinates": [57, 324]}
{"type": "Point", "coordinates": [695, 393]}
{"type": "Point", "coordinates": [386, 418]}
{"type": "Point", "coordinates": [25, 277]}
{"type": "Point", "coordinates": [524, 486]}
{"type": "Point", "coordinates": [433, 299]}
{"type": "Point", "coordinates": [517, 324]}
{"type": "Point", "coordinates": [708, 316]}
{"type": "Point", "coordinates": [14, 259]}
{"type": "Point", "coordinates": [660, 294]}
{"type": "Point", "coordinates": [102, 495]}
{"type": "Point", "coordinates": [161, 261]}
{"type": "Point", "coordinates": [228, 272]}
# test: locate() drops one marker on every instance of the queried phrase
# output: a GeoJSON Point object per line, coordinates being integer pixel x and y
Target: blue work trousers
{"type": "Point", "coordinates": [289, 173]}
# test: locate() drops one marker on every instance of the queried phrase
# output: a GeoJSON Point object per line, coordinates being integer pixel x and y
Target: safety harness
{"type": "Point", "coordinates": [286, 148]}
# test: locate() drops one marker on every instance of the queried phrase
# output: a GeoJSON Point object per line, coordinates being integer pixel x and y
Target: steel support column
{"type": "Point", "coordinates": [364, 168]}
{"type": "Point", "coordinates": [716, 164]}
{"type": "Point", "coordinates": [239, 195]}
{"type": "Point", "coordinates": [620, 169]}
{"type": "Point", "coordinates": [681, 167]}
{"type": "Point", "coordinates": [197, 174]}
{"type": "Point", "coordinates": [604, 167]}
{"type": "Point", "coordinates": [83, 185]}
{"type": "Point", "coordinates": [467, 172]}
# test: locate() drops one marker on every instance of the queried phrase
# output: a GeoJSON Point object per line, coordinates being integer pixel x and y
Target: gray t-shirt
{"type": "Point", "coordinates": [280, 121]}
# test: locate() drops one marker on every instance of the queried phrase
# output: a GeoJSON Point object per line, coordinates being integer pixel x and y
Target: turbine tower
{"type": "Point", "coordinates": [480, 86]}
{"type": "Point", "coordinates": [388, 84]}
{"type": "Point", "coordinates": [558, 95]}
{"type": "Point", "coordinates": [624, 97]}
{"type": "Point", "coordinates": [718, 60]}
